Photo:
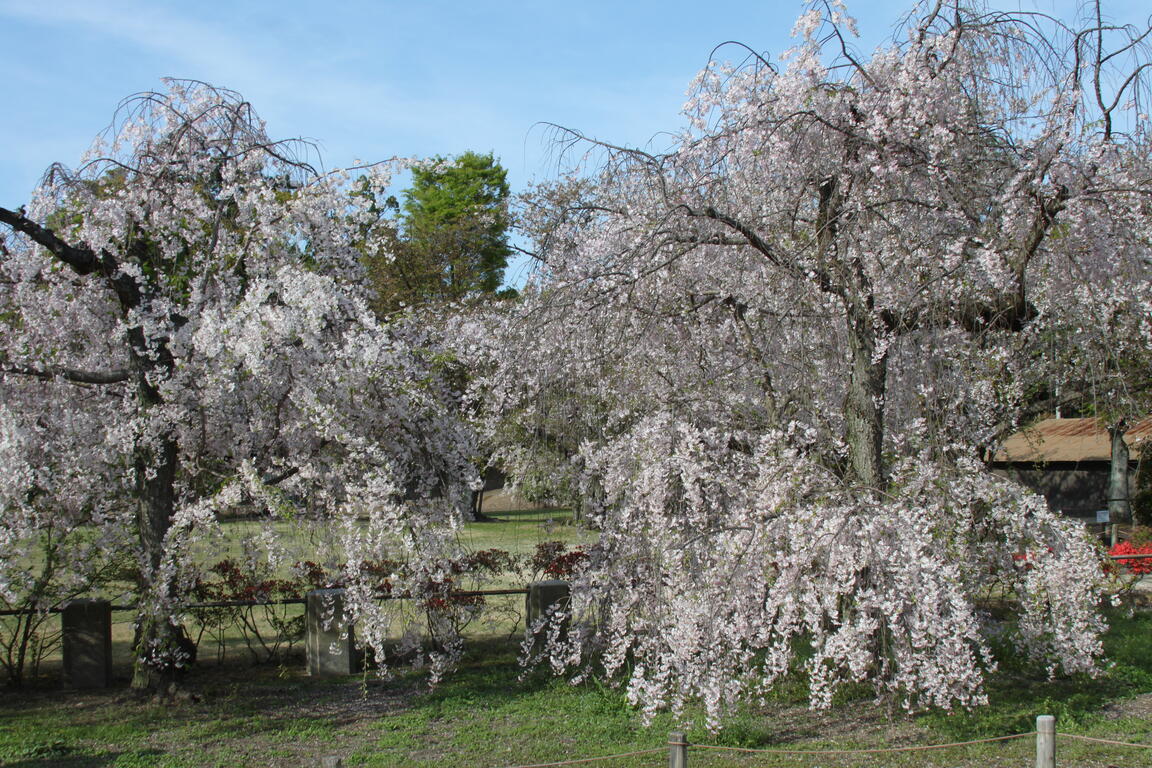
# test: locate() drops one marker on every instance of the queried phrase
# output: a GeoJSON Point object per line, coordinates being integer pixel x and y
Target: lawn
{"type": "Point", "coordinates": [491, 713]}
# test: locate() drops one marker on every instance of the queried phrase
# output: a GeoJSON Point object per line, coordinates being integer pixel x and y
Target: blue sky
{"type": "Point", "coordinates": [372, 80]}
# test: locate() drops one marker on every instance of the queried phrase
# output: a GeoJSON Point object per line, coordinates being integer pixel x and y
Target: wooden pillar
{"type": "Point", "coordinates": [545, 597]}
{"type": "Point", "coordinates": [677, 750]}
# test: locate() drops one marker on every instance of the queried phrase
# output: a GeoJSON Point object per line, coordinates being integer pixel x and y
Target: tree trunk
{"type": "Point", "coordinates": [160, 645]}
{"type": "Point", "coordinates": [162, 648]}
{"type": "Point", "coordinates": [864, 402]}
{"type": "Point", "coordinates": [1119, 505]}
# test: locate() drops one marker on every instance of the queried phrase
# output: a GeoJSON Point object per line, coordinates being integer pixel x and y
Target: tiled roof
{"type": "Point", "coordinates": [1069, 440]}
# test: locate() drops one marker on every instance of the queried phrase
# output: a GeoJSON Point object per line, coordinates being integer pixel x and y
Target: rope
{"type": "Point", "coordinates": [1104, 741]}
{"type": "Point", "coordinates": [591, 759]}
{"type": "Point", "coordinates": [886, 750]}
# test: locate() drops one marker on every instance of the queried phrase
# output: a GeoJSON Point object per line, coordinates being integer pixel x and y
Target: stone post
{"type": "Point", "coordinates": [329, 639]}
{"type": "Point", "coordinates": [86, 626]}
{"type": "Point", "coordinates": [543, 598]}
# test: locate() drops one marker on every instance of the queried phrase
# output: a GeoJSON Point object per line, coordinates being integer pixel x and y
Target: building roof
{"type": "Point", "coordinates": [1069, 440]}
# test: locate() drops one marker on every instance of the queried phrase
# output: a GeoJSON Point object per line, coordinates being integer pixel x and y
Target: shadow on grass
{"type": "Point", "coordinates": [57, 755]}
{"type": "Point", "coordinates": [1020, 690]}
{"type": "Point", "coordinates": [490, 671]}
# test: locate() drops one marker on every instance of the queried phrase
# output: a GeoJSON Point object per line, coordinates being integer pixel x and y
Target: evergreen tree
{"type": "Point", "coordinates": [451, 235]}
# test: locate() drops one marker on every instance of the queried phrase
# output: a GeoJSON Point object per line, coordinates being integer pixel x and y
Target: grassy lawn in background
{"type": "Point", "coordinates": [517, 532]}
{"type": "Point", "coordinates": [520, 532]}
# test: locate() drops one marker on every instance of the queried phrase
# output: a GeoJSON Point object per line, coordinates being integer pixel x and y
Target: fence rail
{"type": "Point", "coordinates": [401, 596]}
{"type": "Point", "coordinates": [282, 601]}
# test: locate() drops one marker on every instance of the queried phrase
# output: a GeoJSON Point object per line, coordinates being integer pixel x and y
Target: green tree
{"type": "Point", "coordinates": [450, 237]}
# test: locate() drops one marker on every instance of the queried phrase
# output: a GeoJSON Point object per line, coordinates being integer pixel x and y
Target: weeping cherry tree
{"type": "Point", "coordinates": [778, 352]}
{"type": "Point", "coordinates": [184, 333]}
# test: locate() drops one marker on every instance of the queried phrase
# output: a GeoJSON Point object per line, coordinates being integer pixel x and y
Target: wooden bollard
{"type": "Point", "coordinates": [329, 643]}
{"type": "Point", "coordinates": [544, 599]}
{"type": "Point", "coordinates": [677, 750]}
{"type": "Point", "coordinates": [1045, 741]}
{"type": "Point", "coordinates": [86, 628]}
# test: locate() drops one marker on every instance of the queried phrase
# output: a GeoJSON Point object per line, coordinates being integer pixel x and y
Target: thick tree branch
{"type": "Point", "coordinates": [1046, 212]}
{"type": "Point", "coordinates": [1010, 310]}
{"type": "Point", "coordinates": [1007, 312]}
{"type": "Point", "coordinates": [82, 261]}
{"type": "Point", "coordinates": [823, 281]}
{"type": "Point", "coordinates": [279, 477]}
{"type": "Point", "coordinates": [75, 375]}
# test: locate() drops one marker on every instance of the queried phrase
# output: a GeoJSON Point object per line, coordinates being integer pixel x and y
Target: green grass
{"type": "Point", "coordinates": [520, 532]}
{"type": "Point", "coordinates": [490, 713]}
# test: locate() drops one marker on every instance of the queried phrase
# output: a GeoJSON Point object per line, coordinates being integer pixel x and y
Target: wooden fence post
{"type": "Point", "coordinates": [677, 750]}
{"type": "Point", "coordinates": [544, 598]}
{"type": "Point", "coordinates": [1045, 741]}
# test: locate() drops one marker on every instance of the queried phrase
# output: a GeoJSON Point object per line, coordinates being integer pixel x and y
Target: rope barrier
{"type": "Point", "coordinates": [591, 759]}
{"type": "Point", "coordinates": [1104, 741]}
{"type": "Point", "coordinates": [885, 750]}
{"type": "Point", "coordinates": [875, 751]}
